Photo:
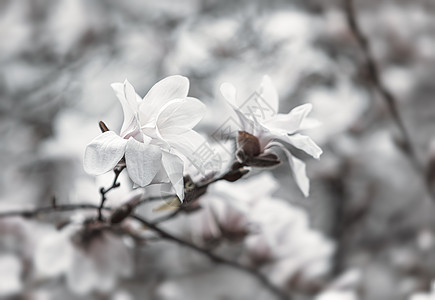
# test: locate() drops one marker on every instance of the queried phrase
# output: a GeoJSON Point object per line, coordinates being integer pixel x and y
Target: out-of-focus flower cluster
{"type": "Point", "coordinates": [275, 235]}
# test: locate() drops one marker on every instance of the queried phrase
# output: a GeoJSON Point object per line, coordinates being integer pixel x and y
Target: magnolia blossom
{"type": "Point", "coordinates": [258, 117]}
{"type": "Point", "coordinates": [90, 258]}
{"type": "Point", "coordinates": [155, 135]}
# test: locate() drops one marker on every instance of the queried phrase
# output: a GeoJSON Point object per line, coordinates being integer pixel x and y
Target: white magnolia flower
{"type": "Point", "coordinates": [258, 116]}
{"type": "Point", "coordinates": [90, 259]}
{"type": "Point", "coordinates": [155, 135]}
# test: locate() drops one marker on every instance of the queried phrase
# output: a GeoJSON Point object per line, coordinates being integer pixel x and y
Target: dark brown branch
{"type": "Point", "coordinates": [104, 191]}
{"type": "Point", "coordinates": [406, 143]}
{"type": "Point", "coordinates": [216, 259]}
{"type": "Point", "coordinates": [30, 213]}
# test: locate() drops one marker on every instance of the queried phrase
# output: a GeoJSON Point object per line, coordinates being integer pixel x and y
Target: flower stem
{"type": "Point", "coordinates": [104, 191]}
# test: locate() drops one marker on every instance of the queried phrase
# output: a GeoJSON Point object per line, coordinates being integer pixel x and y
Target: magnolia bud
{"type": "Point", "coordinates": [103, 126]}
{"type": "Point", "coordinates": [249, 144]}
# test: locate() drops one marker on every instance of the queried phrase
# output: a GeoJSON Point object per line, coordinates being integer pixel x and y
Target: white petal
{"type": "Point", "coordinates": [174, 168]}
{"type": "Point", "coordinates": [129, 102]}
{"type": "Point", "coordinates": [268, 93]}
{"type": "Point", "coordinates": [53, 254]}
{"type": "Point", "coordinates": [300, 174]}
{"type": "Point", "coordinates": [310, 123]}
{"type": "Point", "coordinates": [304, 143]}
{"type": "Point", "coordinates": [161, 176]}
{"type": "Point", "coordinates": [82, 275]}
{"type": "Point", "coordinates": [143, 161]}
{"type": "Point", "coordinates": [298, 169]}
{"type": "Point", "coordinates": [184, 113]}
{"type": "Point", "coordinates": [111, 259]}
{"type": "Point", "coordinates": [290, 122]}
{"type": "Point", "coordinates": [167, 89]}
{"type": "Point", "coordinates": [187, 142]}
{"type": "Point", "coordinates": [229, 92]}
{"type": "Point", "coordinates": [104, 153]}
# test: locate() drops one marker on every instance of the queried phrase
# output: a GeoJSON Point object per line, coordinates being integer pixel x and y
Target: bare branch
{"type": "Point", "coordinates": [30, 213]}
{"type": "Point", "coordinates": [374, 75]}
{"type": "Point", "coordinates": [104, 191]}
{"type": "Point", "coordinates": [217, 259]}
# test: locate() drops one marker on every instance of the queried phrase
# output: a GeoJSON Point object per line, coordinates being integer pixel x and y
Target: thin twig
{"type": "Point", "coordinates": [104, 191]}
{"type": "Point", "coordinates": [374, 76]}
{"type": "Point", "coordinates": [217, 259]}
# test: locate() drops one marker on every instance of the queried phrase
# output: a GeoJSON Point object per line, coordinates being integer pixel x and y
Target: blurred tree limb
{"type": "Point", "coordinates": [405, 142]}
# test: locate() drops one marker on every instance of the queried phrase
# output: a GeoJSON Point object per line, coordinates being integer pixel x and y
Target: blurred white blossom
{"type": "Point", "coordinates": [90, 258]}
{"type": "Point", "coordinates": [10, 275]}
{"type": "Point", "coordinates": [277, 235]}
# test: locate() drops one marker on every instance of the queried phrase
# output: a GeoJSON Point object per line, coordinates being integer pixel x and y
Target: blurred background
{"type": "Point", "coordinates": [58, 59]}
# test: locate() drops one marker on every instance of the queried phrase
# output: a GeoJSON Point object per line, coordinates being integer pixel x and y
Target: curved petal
{"type": "Point", "coordinates": [103, 153]}
{"type": "Point", "coordinates": [174, 168]}
{"type": "Point", "coordinates": [167, 89]}
{"type": "Point", "coordinates": [229, 92]}
{"type": "Point", "coordinates": [305, 143]}
{"type": "Point", "coordinates": [187, 142]}
{"type": "Point", "coordinates": [290, 122]}
{"type": "Point", "coordinates": [268, 93]}
{"type": "Point", "coordinates": [185, 113]}
{"type": "Point", "coordinates": [143, 161]}
{"type": "Point", "coordinates": [161, 176]}
{"type": "Point", "coordinates": [298, 169]}
{"type": "Point", "coordinates": [129, 101]}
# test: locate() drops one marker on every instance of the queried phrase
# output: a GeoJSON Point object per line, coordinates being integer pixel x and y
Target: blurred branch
{"type": "Point", "coordinates": [216, 259]}
{"type": "Point", "coordinates": [30, 213]}
{"type": "Point", "coordinates": [168, 216]}
{"type": "Point", "coordinates": [164, 234]}
{"type": "Point", "coordinates": [374, 75]}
